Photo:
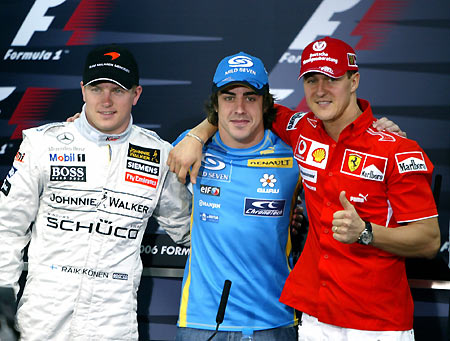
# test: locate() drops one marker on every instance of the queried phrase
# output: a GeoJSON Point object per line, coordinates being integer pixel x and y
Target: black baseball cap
{"type": "Point", "coordinates": [112, 63]}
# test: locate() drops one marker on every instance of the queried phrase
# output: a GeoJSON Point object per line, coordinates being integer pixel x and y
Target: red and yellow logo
{"type": "Point", "coordinates": [319, 155]}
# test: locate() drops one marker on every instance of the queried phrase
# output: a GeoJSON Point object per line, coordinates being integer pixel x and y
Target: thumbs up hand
{"type": "Point", "coordinates": [347, 225]}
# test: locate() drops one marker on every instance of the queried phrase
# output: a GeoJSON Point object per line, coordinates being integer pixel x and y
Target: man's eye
{"type": "Point", "coordinates": [251, 99]}
{"type": "Point", "coordinates": [118, 91]}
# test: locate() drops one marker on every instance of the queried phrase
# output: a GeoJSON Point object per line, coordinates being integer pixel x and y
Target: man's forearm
{"type": "Point", "coordinates": [204, 130]}
{"type": "Point", "coordinates": [417, 239]}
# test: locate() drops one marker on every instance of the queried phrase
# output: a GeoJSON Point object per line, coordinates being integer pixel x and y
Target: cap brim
{"type": "Point", "coordinates": [261, 91]}
{"type": "Point", "coordinates": [107, 80]}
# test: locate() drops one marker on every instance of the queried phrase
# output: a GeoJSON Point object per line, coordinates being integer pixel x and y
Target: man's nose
{"type": "Point", "coordinates": [106, 98]}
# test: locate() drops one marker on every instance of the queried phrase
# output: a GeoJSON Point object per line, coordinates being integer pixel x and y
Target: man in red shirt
{"type": "Point", "coordinates": [369, 204]}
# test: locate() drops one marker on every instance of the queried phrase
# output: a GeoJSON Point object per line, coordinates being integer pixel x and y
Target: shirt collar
{"type": "Point", "coordinates": [96, 136]}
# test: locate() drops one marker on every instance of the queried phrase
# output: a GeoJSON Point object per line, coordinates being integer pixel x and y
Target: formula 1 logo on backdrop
{"type": "Point", "coordinates": [36, 20]}
{"type": "Point", "coordinates": [80, 29]}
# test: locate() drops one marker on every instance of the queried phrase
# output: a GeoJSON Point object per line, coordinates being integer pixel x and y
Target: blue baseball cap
{"type": "Point", "coordinates": [241, 68]}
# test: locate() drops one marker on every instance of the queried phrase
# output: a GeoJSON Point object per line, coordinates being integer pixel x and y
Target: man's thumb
{"type": "Point", "coordinates": [344, 202]}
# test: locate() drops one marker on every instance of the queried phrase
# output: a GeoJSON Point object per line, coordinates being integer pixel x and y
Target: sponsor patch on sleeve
{"type": "Point", "coordinates": [362, 165]}
{"type": "Point", "coordinates": [19, 157]}
{"type": "Point", "coordinates": [410, 162]}
{"type": "Point", "coordinates": [292, 124]}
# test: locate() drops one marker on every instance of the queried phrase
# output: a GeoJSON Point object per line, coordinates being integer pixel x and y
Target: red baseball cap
{"type": "Point", "coordinates": [329, 56]}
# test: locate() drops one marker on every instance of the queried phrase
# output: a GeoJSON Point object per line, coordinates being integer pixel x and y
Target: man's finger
{"type": "Point", "coordinates": [194, 171]}
{"type": "Point", "coordinates": [344, 202]}
{"type": "Point", "coordinates": [182, 175]}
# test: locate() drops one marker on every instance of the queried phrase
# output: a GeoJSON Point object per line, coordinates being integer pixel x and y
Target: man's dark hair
{"type": "Point", "coordinates": [350, 73]}
{"type": "Point", "coordinates": [269, 111]}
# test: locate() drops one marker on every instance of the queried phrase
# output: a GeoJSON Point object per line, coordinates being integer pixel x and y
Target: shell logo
{"type": "Point", "coordinates": [318, 155]}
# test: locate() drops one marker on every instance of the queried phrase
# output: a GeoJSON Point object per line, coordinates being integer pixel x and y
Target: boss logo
{"type": "Point", "coordinates": [68, 173]}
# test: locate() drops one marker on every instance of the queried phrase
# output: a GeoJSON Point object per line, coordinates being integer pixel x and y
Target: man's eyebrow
{"type": "Point", "coordinates": [248, 93]}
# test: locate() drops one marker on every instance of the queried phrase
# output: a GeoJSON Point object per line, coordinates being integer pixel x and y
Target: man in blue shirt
{"type": "Point", "coordinates": [241, 208]}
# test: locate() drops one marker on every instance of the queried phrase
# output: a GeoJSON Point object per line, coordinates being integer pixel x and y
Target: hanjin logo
{"type": "Point", "coordinates": [68, 173]}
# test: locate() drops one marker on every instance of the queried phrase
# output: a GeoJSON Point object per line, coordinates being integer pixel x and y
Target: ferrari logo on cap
{"type": "Point", "coordinates": [351, 59]}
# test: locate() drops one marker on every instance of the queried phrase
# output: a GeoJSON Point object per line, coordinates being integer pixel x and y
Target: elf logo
{"type": "Point", "coordinates": [210, 190]}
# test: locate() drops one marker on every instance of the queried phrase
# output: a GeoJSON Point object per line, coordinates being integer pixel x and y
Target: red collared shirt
{"type": "Point", "coordinates": [387, 178]}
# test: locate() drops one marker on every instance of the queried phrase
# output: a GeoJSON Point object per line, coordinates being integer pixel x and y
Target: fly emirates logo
{"type": "Point", "coordinates": [141, 179]}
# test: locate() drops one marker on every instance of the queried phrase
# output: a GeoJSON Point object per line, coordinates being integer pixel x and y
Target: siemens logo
{"type": "Point", "coordinates": [142, 167]}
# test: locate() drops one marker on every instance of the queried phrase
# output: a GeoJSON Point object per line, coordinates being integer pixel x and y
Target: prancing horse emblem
{"type": "Point", "coordinates": [354, 161]}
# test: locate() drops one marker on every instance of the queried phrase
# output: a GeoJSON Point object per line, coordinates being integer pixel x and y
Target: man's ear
{"type": "Point", "coordinates": [355, 81]}
{"type": "Point", "coordinates": [82, 90]}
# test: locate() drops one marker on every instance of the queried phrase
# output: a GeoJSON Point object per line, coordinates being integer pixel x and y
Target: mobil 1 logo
{"type": "Point", "coordinates": [68, 173]}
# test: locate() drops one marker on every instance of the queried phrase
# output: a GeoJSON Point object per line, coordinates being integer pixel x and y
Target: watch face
{"type": "Point", "coordinates": [366, 237]}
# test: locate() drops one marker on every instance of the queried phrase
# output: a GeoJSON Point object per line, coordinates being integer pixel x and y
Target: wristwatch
{"type": "Point", "coordinates": [366, 236]}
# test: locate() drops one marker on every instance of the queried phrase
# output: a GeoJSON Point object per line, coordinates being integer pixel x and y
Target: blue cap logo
{"type": "Point", "coordinates": [241, 68]}
{"type": "Point", "coordinates": [242, 61]}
